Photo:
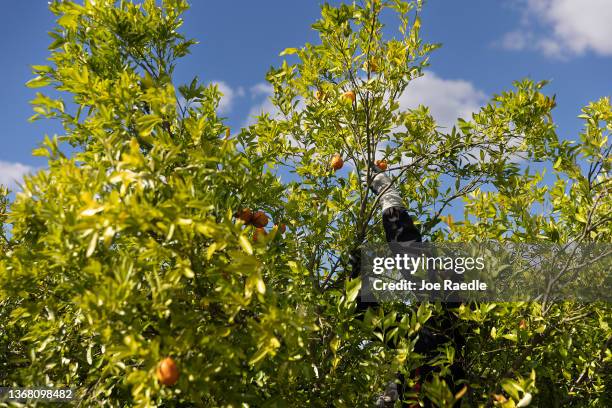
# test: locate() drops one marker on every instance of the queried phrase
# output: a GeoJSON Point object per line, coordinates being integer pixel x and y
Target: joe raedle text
{"type": "Point", "coordinates": [405, 263]}
{"type": "Point", "coordinates": [425, 286]}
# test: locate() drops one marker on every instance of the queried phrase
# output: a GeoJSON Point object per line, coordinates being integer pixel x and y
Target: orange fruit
{"type": "Point", "coordinates": [167, 372]}
{"type": "Point", "coordinates": [245, 215]}
{"type": "Point", "coordinates": [500, 398]}
{"type": "Point", "coordinates": [319, 95]}
{"type": "Point", "coordinates": [522, 324]}
{"type": "Point", "coordinates": [336, 162]}
{"type": "Point", "coordinates": [349, 96]}
{"type": "Point", "coordinates": [260, 232]}
{"type": "Point", "coordinates": [281, 228]}
{"type": "Point", "coordinates": [259, 219]}
{"type": "Point", "coordinates": [381, 164]}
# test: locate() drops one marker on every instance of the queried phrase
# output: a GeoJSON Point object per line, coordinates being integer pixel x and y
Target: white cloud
{"type": "Point", "coordinates": [447, 99]}
{"type": "Point", "coordinates": [516, 40]}
{"type": "Point", "coordinates": [565, 27]}
{"type": "Point", "coordinates": [12, 173]}
{"type": "Point", "coordinates": [261, 88]}
{"type": "Point", "coordinates": [265, 106]}
{"type": "Point", "coordinates": [229, 94]}
{"type": "Point", "coordinates": [259, 91]}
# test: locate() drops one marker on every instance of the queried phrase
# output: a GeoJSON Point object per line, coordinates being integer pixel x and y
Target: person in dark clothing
{"type": "Point", "coordinates": [400, 229]}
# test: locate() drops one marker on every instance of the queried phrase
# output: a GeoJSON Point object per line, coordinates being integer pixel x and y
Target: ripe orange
{"type": "Point", "coordinates": [167, 372]}
{"type": "Point", "coordinates": [245, 215]}
{"type": "Point", "coordinates": [349, 96]}
{"type": "Point", "coordinates": [522, 324]}
{"type": "Point", "coordinates": [381, 164]}
{"type": "Point", "coordinates": [500, 398]}
{"type": "Point", "coordinates": [259, 219]}
{"type": "Point", "coordinates": [281, 228]}
{"type": "Point", "coordinates": [260, 232]}
{"type": "Point", "coordinates": [336, 162]}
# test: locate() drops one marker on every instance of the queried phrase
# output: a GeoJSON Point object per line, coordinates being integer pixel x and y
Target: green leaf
{"type": "Point", "coordinates": [146, 124]}
{"type": "Point", "coordinates": [92, 245]}
{"type": "Point", "coordinates": [511, 336]}
{"type": "Point", "coordinates": [580, 217]}
{"type": "Point", "coordinates": [512, 387]}
{"type": "Point", "coordinates": [42, 68]}
{"type": "Point", "coordinates": [352, 289]}
{"type": "Point", "coordinates": [288, 51]}
{"type": "Point", "coordinates": [68, 20]}
{"type": "Point", "coordinates": [38, 82]}
{"type": "Point", "coordinates": [245, 244]}
{"type": "Point", "coordinates": [188, 272]}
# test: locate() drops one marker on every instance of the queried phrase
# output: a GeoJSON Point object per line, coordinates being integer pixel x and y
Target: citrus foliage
{"type": "Point", "coordinates": [342, 95]}
{"type": "Point", "coordinates": [3, 214]}
{"type": "Point", "coordinates": [129, 251]}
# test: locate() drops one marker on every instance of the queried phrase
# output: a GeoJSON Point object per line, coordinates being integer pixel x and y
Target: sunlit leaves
{"type": "Point", "coordinates": [127, 250]}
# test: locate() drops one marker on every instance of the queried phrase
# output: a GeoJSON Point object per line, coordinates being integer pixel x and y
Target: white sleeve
{"type": "Point", "coordinates": [391, 196]}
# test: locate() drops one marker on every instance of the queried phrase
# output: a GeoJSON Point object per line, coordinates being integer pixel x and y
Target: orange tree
{"type": "Point", "coordinates": [341, 96]}
{"type": "Point", "coordinates": [129, 251]}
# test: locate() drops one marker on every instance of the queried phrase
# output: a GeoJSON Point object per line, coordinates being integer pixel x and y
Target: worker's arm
{"type": "Point", "coordinates": [396, 220]}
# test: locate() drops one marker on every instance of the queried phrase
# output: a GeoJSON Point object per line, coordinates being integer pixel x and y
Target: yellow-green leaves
{"type": "Point", "coordinates": [93, 210]}
{"type": "Point", "coordinates": [38, 82]}
{"type": "Point", "coordinates": [92, 244]}
{"type": "Point", "coordinates": [254, 284]}
{"type": "Point", "coordinates": [147, 123]}
{"type": "Point", "coordinates": [352, 288]}
{"type": "Point", "coordinates": [70, 13]}
{"type": "Point", "coordinates": [130, 240]}
{"type": "Point", "coordinates": [267, 346]}
{"type": "Point", "coordinates": [288, 51]}
{"type": "Point", "coordinates": [245, 243]}
{"type": "Point", "coordinates": [334, 344]}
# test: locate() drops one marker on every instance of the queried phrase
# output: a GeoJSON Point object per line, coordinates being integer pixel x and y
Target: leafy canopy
{"type": "Point", "coordinates": [127, 250]}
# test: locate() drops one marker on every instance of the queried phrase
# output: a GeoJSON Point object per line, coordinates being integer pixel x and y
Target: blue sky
{"type": "Point", "coordinates": [486, 45]}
